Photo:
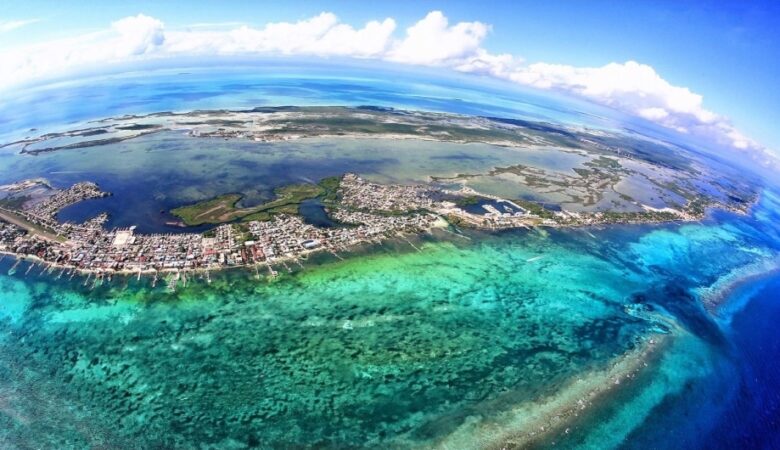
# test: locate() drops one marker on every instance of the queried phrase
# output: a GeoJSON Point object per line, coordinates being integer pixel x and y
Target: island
{"type": "Point", "coordinates": [273, 234]}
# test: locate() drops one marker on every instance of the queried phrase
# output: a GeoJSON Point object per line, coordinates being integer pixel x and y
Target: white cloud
{"type": "Point", "coordinates": [637, 89]}
{"type": "Point", "coordinates": [127, 39]}
{"type": "Point", "coordinates": [322, 35]}
{"type": "Point", "coordinates": [11, 25]}
{"type": "Point", "coordinates": [432, 41]}
{"type": "Point", "coordinates": [630, 87]}
{"type": "Point", "coordinates": [215, 24]}
{"type": "Point", "coordinates": [138, 35]}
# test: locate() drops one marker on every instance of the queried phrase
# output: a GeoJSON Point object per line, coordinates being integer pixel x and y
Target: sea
{"type": "Point", "coordinates": [626, 336]}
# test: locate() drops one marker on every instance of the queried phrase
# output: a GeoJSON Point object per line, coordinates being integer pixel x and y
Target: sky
{"type": "Point", "coordinates": [702, 68]}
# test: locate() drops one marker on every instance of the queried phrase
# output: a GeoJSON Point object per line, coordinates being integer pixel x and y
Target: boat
{"type": "Point", "coordinates": [12, 270]}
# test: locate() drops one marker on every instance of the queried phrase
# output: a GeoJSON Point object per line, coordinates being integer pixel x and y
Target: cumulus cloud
{"type": "Point", "coordinates": [638, 90]}
{"type": "Point", "coordinates": [630, 87]}
{"type": "Point", "coordinates": [126, 40]}
{"type": "Point", "coordinates": [322, 35]}
{"type": "Point", "coordinates": [137, 35]}
{"type": "Point", "coordinates": [432, 41]}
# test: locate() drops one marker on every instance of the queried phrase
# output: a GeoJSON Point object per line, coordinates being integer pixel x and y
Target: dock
{"type": "Point", "coordinates": [171, 282]}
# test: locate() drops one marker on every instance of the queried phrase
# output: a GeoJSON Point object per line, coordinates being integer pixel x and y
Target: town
{"type": "Point", "coordinates": [284, 239]}
{"type": "Point", "coordinates": [365, 212]}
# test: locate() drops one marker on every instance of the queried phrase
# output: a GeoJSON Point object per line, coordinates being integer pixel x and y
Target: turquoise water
{"type": "Point", "coordinates": [391, 348]}
{"type": "Point", "coordinates": [584, 338]}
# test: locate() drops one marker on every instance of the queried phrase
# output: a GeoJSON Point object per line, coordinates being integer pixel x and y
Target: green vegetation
{"type": "Point", "coordinates": [638, 217]}
{"type": "Point", "coordinates": [697, 206]}
{"type": "Point", "coordinates": [224, 208]}
{"type": "Point", "coordinates": [342, 121]}
{"type": "Point", "coordinates": [216, 210]}
{"type": "Point", "coordinates": [468, 200]}
{"type": "Point", "coordinates": [330, 187]}
{"type": "Point", "coordinates": [14, 202]}
{"type": "Point", "coordinates": [636, 148]}
{"type": "Point", "coordinates": [536, 209]}
{"type": "Point", "coordinates": [605, 163]}
{"type": "Point", "coordinates": [688, 194]}
{"type": "Point", "coordinates": [517, 169]}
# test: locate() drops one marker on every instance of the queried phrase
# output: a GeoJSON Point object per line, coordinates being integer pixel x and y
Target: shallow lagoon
{"type": "Point", "coordinates": [151, 175]}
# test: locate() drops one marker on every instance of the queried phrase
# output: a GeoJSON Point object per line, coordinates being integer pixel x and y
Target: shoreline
{"type": "Point", "coordinates": [441, 223]}
{"type": "Point", "coordinates": [299, 260]}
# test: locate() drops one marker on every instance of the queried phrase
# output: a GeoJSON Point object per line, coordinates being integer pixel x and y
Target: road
{"type": "Point", "coordinates": [15, 219]}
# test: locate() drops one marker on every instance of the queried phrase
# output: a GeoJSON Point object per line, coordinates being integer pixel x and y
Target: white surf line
{"type": "Point", "coordinates": [535, 258]}
{"type": "Point", "coordinates": [456, 234]}
{"type": "Point", "coordinates": [531, 422]}
{"type": "Point", "coordinates": [403, 236]}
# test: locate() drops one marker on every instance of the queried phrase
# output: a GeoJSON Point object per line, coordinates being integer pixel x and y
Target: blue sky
{"type": "Point", "coordinates": [725, 51]}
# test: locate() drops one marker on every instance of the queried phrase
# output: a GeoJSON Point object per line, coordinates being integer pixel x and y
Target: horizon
{"type": "Point", "coordinates": [630, 79]}
{"type": "Point", "coordinates": [395, 225]}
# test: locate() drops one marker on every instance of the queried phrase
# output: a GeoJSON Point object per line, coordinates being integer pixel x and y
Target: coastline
{"type": "Point", "coordinates": [300, 260]}
{"type": "Point", "coordinates": [443, 222]}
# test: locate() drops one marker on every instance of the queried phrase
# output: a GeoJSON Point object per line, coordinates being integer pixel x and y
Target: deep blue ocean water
{"type": "Point", "coordinates": [752, 417]}
{"type": "Point", "coordinates": [735, 404]}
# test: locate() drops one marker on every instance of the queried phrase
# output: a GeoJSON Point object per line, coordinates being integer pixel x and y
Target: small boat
{"type": "Point", "coordinates": [12, 270]}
